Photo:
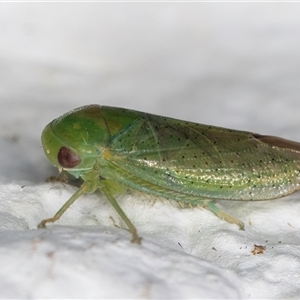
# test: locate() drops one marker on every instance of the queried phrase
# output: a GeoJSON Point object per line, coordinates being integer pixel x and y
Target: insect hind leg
{"type": "Point", "coordinates": [209, 205]}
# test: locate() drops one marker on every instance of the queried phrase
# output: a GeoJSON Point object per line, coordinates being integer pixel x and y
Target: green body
{"type": "Point", "coordinates": [183, 161]}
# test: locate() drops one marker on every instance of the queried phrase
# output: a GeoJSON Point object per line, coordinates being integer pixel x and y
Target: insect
{"type": "Point", "coordinates": [114, 149]}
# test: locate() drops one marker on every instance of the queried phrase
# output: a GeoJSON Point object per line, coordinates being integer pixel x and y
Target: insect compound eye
{"type": "Point", "coordinates": [67, 158]}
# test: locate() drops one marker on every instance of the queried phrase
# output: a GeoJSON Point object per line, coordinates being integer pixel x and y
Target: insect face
{"type": "Point", "coordinates": [74, 141]}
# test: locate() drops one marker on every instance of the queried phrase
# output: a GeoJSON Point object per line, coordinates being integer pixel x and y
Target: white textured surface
{"type": "Point", "coordinates": [232, 65]}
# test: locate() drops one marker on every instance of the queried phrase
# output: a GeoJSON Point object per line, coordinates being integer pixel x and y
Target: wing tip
{"type": "Point", "coordinates": [277, 141]}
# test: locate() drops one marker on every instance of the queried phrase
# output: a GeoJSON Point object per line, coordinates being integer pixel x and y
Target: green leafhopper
{"type": "Point", "coordinates": [114, 149]}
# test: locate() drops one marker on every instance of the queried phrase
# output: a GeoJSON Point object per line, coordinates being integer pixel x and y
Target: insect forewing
{"type": "Point", "coordinates": [205, 161]}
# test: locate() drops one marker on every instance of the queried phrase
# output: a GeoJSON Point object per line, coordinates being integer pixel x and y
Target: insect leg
{"type": "Point", "coordinates": [83, 189]}
{"type": "Point", "coordinates": [135, 237]}
{"type": "Point", "coordinates": [221, 214]}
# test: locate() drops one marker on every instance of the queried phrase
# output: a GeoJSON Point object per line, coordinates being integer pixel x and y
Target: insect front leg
{"type": "Point", "coordinates": [83, 189]}
{"type": "Point", "coordinates": [104, 187]}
